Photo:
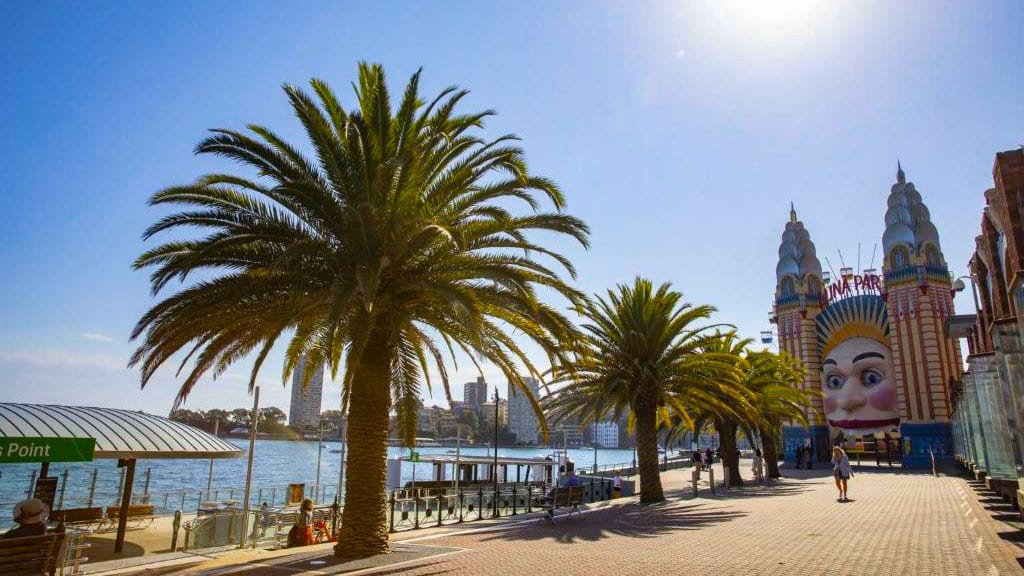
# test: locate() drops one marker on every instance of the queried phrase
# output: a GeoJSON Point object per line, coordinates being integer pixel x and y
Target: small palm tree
{"type": "Point", "coordinates": [388, 249]}
{"type": "Point", "coordinates": [642, 352]}
{"type": "Point", "coordinates": [774, 379]}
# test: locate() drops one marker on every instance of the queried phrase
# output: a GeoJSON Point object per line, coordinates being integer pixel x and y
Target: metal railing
{"type": "Point", "coordinates": [410, 509]}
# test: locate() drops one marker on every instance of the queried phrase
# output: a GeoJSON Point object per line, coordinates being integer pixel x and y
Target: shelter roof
{"type": "Point", "coordinates": [118, 433]}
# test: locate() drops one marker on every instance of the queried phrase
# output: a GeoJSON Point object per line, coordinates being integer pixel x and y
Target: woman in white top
{"type": "Point", "coordinates": [841, 470]}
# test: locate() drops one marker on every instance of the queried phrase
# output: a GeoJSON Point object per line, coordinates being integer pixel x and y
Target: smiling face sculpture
{"type": "Point", "coordinates": [857, 375]}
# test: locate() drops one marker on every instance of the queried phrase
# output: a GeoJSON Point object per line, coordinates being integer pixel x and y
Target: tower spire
{"type": "Point", "coordinates": [792, 212]}
{"type": "Point", "coordinates": [901, 178]}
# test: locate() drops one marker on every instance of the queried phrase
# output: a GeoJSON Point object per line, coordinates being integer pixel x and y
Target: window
{"type": "Point", "coordinates": [933, 256]}
{"type": "Point", "coordinates": [787, 286]}
{"type": "Point", "coordinates": [900, 258]}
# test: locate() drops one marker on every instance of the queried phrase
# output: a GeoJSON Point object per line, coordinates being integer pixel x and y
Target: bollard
{"type": "Point", "coordinates": [440, 499]}
{"type": "Point", "coordinates": [529, 498]}
{"type": "Point", "coordinates": [145, 489]}
{"type": "Point", "coordinates": [416, 509]}
{"type": "Point", "coordinates": [480, 504]}
{"type": "Point", "coordinates": [174, 533]}
{"type": "Point", "coordinates": [515, 498]}
{"type": "Point", "coordinates": [92, 486]}
{"type": "Point", "coordinates": [462, 502]}
{"type": "Point", "coordinates": [693, 480]}
{"type": "Point", "coordinates": [711, 473]}
{"type": "Point", "coordinates": [182, 500]}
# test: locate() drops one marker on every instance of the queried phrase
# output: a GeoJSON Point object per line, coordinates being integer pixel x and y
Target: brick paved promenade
{"type": "Point", "coordinates": [896, 524]}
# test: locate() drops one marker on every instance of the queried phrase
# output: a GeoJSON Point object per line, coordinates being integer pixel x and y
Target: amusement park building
{"type": "Point", "coordinates": [873, 343]}
{"type": "Point", "coordinates": [989, 406]}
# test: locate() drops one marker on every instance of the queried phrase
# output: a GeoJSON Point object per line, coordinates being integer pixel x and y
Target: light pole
{"type": "Point", "coordinates": [495, 473]}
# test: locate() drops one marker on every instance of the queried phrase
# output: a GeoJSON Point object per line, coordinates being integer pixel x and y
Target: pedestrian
{"type": "Point", "coordinates": [616, 485]}
{"type": "Point", "coordinates": [30, 515]}
{"type": "Point", "coordinates": [704, 460]}
{"type": "Point", "coordinates": [301, 533]}
{"type": "Point", "coordinates": [758, 465]}
{"type": "Point", "coordinates": [711, 457]}
{"type": "Point", "coordinates": [695, 457]}
{"type": "Point", "coordinates": [798, 454]}
{"type": "Point", "coordinates": [264, 518]}
{"type": "Point", "coordinates": [809, 453]}
{"type": "Point", "coordinates": [842, 471]}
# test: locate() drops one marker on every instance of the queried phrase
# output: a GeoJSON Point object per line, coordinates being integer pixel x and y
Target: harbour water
{"type": "Point", "coordinates": [179, 483]}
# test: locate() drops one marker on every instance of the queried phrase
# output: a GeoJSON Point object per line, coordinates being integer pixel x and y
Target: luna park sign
{"type": "Point", "coordinates": [853, 285]}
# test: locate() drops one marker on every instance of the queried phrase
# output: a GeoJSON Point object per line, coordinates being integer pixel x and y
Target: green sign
{"type": "Point", "coordinates": [414, 456]}
{"type": "Point", "coordinates": [46, 450]}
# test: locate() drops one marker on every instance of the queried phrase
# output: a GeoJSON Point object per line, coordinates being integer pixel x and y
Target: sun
{"type": "Point", "coordinates": [774, 18]}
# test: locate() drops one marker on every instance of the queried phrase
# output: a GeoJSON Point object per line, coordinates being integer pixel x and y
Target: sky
{"type": "Point", "coordinates": [679, 131]}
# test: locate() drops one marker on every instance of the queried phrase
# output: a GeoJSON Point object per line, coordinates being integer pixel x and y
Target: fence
{"type": "Point", "coordinates": [74, 494]}
{"type": "Point", "coordinates": [408, 509]}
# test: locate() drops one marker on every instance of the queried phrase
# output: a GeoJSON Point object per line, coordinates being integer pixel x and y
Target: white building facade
{"type": "Point", "coordinates": [606, 434]}
{"type": "Point", "coordinates": [304, 411]}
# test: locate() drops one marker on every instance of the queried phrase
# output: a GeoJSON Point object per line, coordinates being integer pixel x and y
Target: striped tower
{"type": "Point", "coordinates": [799, 294]}
{"type": "Point", "coordinates": [919, 298]}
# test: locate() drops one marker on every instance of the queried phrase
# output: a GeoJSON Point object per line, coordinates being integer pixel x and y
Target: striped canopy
{"type": "Point", "coordinates": [118, 433]}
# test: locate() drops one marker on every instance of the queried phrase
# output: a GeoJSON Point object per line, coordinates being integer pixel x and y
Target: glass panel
{"type": "Point", "coordinates": [999, 454]}
{"type": "Point", "coordinates": [1010, 363]}
{"type": "Point", "coordinates": [974, 419]}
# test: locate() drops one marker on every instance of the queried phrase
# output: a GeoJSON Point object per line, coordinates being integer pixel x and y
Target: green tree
{"type": "Point", "coordinates": [775, 381]}
{"type": "Point", "coordinates": [272, 415]}
{"type": "Point", "coordinates": [396, 242]}
{"type": "Point", "coordinates": [241, 416]}
{"type": "Point", "coordinates": [643, 352]}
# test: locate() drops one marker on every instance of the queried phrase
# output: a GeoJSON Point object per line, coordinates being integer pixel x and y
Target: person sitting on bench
{"type": "Point", "coordinates": [31, 518]}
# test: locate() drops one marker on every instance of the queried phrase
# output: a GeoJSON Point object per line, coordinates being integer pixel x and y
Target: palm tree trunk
{"type": "Point", "coordinates": [727, 449]}
{"type": "Point", "coordinates": [771, 452]}
{"type": "Point", "coordinates": [364, 529]}
{"type": "Point", "coordinates": [647, 452]}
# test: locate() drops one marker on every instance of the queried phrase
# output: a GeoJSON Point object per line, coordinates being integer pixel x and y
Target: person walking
{"type": "Point", "coordinates": [809, 455]}
{"type": "Point", "coordinates": [842, 471]}
{"type": "Point", "coordinates": [616, 485]}
{"type": "Point", "coordinates": [798, 455]}
{"type": "Point", "coordinates": [695, 457]}
{"type": "Point", "coordinates": [704, 461]}
{"type": "Point", "coordinates": [758, 465]}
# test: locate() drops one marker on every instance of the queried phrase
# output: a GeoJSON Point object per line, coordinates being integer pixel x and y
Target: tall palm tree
{"type": "Point", "coordinates": [774, 379]}
{"type": "Point", "coordinates": [641, 352]}
{"type": "Point", "coordinates": [728, 421]}
{"type": "Point", "coordinates": [391, 247]}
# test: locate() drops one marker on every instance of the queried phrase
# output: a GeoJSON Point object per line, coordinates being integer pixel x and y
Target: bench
{"type": "Point", "coordinates": [562, 497]}
{"type": "Point", "coordinates": [75, 516]}
{"type": "Point", "coordinates": [138, 515]}
{"type": "Point", "coordinates": [32, 554]}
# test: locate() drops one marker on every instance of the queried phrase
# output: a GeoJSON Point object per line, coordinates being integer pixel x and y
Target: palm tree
{"type": "Point", "coordinates": [775, 382]}
{"type": "Point", "coordinates": [728, 421]}
{"type": "Point", "coordinates": [641, 352]}
{"type": "Point", "coordinates": [391, 247]}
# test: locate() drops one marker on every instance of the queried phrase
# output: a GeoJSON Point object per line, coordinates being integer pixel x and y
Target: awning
{"type": "Point", "coordinates": [118, 433]}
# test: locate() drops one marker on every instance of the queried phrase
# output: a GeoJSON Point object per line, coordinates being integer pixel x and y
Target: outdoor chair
{"type": "Point", "coordinates": [41, 555]}
{"type": "Point", "coordinates": [562, 497]}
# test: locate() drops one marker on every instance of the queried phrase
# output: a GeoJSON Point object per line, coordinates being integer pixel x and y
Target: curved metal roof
{"type": "Point", "coordinates": [118, 433]}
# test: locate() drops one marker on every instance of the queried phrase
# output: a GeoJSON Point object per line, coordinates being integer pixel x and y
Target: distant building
{"type": "Point", "coordinates": [474, 394]}
{"type": "Point", "coordinates": [304, 411]}
{"type": "Point", "coordinates": [606, 434]}
{"type": "Point", "coordinates": [567, 433]}
{"type": "Point", "coordinates": [522, 420]}
{"type": "Point", "coordinates": [487, 413]}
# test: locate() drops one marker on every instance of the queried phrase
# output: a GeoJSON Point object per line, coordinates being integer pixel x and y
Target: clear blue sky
{"type": "Point", "coordinates": [680, 131]}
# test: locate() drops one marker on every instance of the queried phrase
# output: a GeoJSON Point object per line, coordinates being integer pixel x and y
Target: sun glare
{"type": "Point", "coordinates": [775, 19]}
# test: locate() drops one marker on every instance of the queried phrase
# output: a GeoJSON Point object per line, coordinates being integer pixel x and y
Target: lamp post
{"type": "Point", "coordinates": [495, 473]}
